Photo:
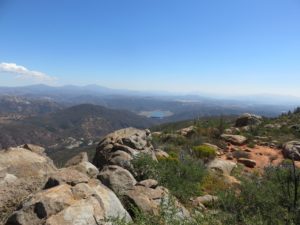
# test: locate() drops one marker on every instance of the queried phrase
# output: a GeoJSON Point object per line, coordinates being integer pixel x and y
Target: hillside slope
{"type": "Point", "coordinates": [75, 125]}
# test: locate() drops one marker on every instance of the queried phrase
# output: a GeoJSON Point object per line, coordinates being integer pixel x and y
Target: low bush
{"type": "Point", "coordinates": [272, 198]}
{"type": "Point", "coordinates": [204, 152]}
{"type": "Point", "coordinates": [182, 177]}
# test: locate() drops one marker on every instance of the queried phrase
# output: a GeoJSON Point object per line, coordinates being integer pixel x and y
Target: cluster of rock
{"type": "Point", "coordinates": [43, 194]}
{"type": "Point", "coordinates": [248, 119]}
{"type": "Point", "coordinates": [113, 157]}
{"type": "Point", "coordinates": [33, 191]}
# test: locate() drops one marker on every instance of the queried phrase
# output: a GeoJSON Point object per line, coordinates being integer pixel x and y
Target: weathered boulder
{"type": "Point", "coordinates": [234, 139]}
{"type": "Point", "coordinates": [161, 154]}
{"type": "Point", "coordinates": [222, 166]}
{"type": "Point", "coordinates": [272, 126]}
{"type": "Point", "coordinates": [119, 147]}
{"type": "Point", "coordinates": [22, 172]}
{"type": "Point", "coordinates": [80, 163]}
{"type": "Point", "coordinates": [248, 119]}
{"type": "Point", "coordinates": [150, 183]}
{"type": "Point", "coordinates": [205, 200]}
{"type": "Point", "coordinates": [291, 150]}
{"type": "Point", "coordinates": [84, 203]}
{"type": "Point", "coordinates": [188, 131]}
{"type": "Point", "coordinates": [34, 148]}
{"type": "Point", "coordinates": [66, 175]}
{"type": "Point", "coordinates": [117, 178]}
{"type": "Point", "coordinates": [149, 200]}
{"type": "Point", "coordinates": [247, 162]}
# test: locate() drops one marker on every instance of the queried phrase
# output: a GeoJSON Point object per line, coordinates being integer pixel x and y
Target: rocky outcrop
{"type": "Point", "coordinates": [113, 157]}
{"type": "Point", "coordinates": [81, 163]}
{"type": "Point", "coordinates": [116, 178]}
{"type": "Point", "coordinates": [234, 139]}
{"type": "Point", "coordinates": [206, 200]}
{"type": "Point", "coordinates": [149, 200]}
{"type": "Point", "coordinates": [34, 192]}
{"type": "Point", "coordinates": [291, 150]}
{"type": "Point", "coordinates": [222, 166]}
{"type": "Point", "coordinates": [247, 162]}
{"type": "Point", "coordinates": [119, 147]}
{"type": "Point", "coordinates": [22, 171]}
{"type": "Point", "coordinates": [85, 203]}
{"type": "Point", "coordinates": [188, 131]}
{"type": "Point", "coordinates": [248, 119]}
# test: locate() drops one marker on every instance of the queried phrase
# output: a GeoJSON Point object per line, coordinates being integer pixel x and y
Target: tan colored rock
{"type": "Point", "coordinates": [161, 154]}
{"type": "Point", "coordinates": [77, 159]}
{"type": "Point", "coordinates": [234, 139]}
{"type": "Point", "coordinates": [205, 200]}
{"type": "Point", "coordinates": [34, 148]}
{"type": "Point", "coordinates": [80, 163]}
{"type": "Point", "coordinates": [291, 150]}
{"type": "Point", "coordinates": [22, 172]}
{"type": "Point", "coordinates": [149, 200]}
{"type": "Point", "coordinates": [188, 131]}
{"type": "Point", "coordinates": [66, 175]}
{"type": "Point", "coordinates": [84, 203]}
{"type": "Point", "coordinates": [150, 183]}
{"type": "Point", "coordinates": [248, 119]}
{"type": "Point", "coordinates": [247, 162]}
{"type": "Point", "coordinates": [117, 178]}
{"type": "Point", "coordinates": [222, 166]}
{"type": "Point", "coordinates": [129, 140]}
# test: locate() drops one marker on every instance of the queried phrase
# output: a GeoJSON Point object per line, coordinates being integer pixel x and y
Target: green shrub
{"type": "Point", "coordinates": [269, 199]}
{"type": "Point", "coordinates": [181, 177]}
{"type": "Point", "coordinates": [204, 152]}
{"type": "Point", "coordinates": [251, 145]}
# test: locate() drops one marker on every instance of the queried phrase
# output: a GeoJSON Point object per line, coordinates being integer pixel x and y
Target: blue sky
{"type": "Point", "coordinates": [212, 46]}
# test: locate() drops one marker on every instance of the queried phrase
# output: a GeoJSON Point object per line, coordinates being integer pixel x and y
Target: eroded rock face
{"type": "Point", "coordinates": [84, 203]}
{"type": "Point", "coordinates": [149, 200]}
{"type": "Point", "coordinates": [222, 166]}
{"type": "Point", "coordinates": [81, 163]}
{"type": "Point", "coordinates": [234, 139]}
{"type": "Point", "coordinates": [291, 150]}
{"type": "Point", "coordinates": [247, 162]}
{"type": "Point", "coordinates": [22, 172]}
{"type": "Point", "coordinates": [205, 200]}
{"type": "Point", "coordinates": [188, 131]}
{"type": "Point", "coordinates": [119, 147]}
{"type": "Point", "coordinates": [248, 119]}
{"type": "Point", "coordinates": [113, 157]}
{"type": "Point", "coordinates": [117, 178]}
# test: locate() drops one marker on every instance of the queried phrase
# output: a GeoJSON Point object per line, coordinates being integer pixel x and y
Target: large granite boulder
{"type": "Point", "coordinates": [188, 131]}
{"type": "Point", "coordinates": [119, 147]}
{"type": "Point", "coordinates": [85, 203]}
{"type": "Point", "coordinates": [22, 171]}
{"type": "Point", "coordinates": [291, 150]}
{"type": "Point", "coordinates": [150, 200]}
{"type": "Point", "coordinates": [81, 163]}
{"type": "Point", "coordinates": [223, 167]}
{"type": "Point", "coordinates": [117, 178]}
{"type": "Point", "coordinates": [234, 139]}
{"type": "Point", "coordinates": [247, 162]}
{"type": "Point", "coordinates": [248, 119]}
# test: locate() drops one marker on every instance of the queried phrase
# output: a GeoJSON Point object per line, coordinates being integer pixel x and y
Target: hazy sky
{"type": "Point", "coordinates": [224, 46]}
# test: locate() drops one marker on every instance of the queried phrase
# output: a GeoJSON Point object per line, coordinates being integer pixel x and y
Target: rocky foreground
{"type": "Point", "coordinates": [33, 191]}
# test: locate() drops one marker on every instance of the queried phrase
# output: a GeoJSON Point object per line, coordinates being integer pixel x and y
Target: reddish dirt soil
{"type": "Point", "coordinates": [263, 156]}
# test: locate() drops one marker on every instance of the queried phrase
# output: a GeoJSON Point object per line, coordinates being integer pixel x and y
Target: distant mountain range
{"type": "Point", "coordinates": [73, 116]}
